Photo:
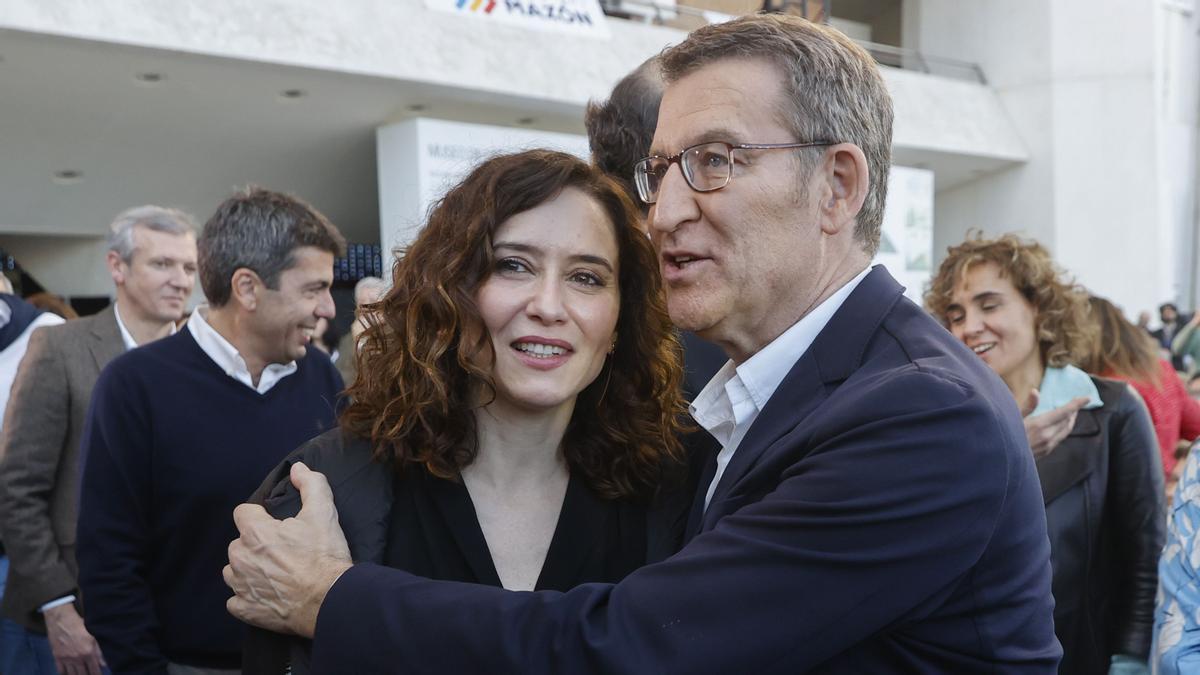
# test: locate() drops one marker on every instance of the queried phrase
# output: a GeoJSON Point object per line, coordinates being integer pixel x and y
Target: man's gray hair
{"type": "Point", "coordinates": [832, 91]}
{"type": "Point", "coordinates": [157, 218]}
{"type": "Point", "coordinates": [375, 286]}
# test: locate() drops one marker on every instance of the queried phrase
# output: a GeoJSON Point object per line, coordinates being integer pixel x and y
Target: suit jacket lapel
{"type": "Point", "coordinates": [834, 356]}
{"type": "Point", "coordinates": [706, 455]}
{"type": "Point", "coordinates": [799, 393]}
{"type": "Point", "coordinates": [1073, 459]}
{"type": "Point", "coordinates": [106, 343]}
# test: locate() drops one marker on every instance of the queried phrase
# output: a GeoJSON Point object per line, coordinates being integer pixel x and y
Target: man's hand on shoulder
{"type": "Point", "coordinates": [280, 571]}
{"type": "Point", "coordinates": [74, 648]}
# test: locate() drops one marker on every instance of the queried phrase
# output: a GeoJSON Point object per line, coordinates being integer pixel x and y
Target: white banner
{"type": "Point", "coordinates": [906, 246]}
{"type": "Point", "coordinates": [573, 17]}
{"type": "Point", "coordinates": [420, 159]}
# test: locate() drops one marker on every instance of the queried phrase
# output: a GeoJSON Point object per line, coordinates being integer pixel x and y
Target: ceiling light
{"type": "Point", "coordinates": [292, 94]}
{"type": "Point", "coordinates": [149, 78]}
{"type": "Point", "coordinates": [418, 107]}
{"type": "Point", "coordinates": [68, 176]}
{"type": "Point", "coordinates": [526, 121]}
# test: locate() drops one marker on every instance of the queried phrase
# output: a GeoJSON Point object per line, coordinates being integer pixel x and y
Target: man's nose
{"type": "Point", "coordinates": [325, 306]}
{"type": "Point", "coordinates": [182, 278]}
{"type": "Point", "coordinates": [676, 203]}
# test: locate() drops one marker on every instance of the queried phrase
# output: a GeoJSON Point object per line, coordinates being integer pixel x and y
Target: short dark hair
{"type": "Point", "coordinates": [621, 129]}
{"type": "Point", "coordinates": [1165, 305]}
{"type": "Point", "coordinates": [260, 230]}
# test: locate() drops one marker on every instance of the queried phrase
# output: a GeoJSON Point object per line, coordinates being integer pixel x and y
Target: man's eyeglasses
{"type": "Point", "coordinates": [706, 167]}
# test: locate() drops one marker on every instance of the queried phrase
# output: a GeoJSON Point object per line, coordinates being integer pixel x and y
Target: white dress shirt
{"type": "Point", "coordinates": [126, 336]}
{"type": "Point", "coordinates": [732, 400]}
{"type": "Point", "coordinates": [226, 356]}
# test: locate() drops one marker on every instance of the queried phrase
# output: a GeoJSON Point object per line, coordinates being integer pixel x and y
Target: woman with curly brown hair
{"type": "Point", "coordinates": [1102, 482]}
{"type": "Point", "coordinates": [517, 404]}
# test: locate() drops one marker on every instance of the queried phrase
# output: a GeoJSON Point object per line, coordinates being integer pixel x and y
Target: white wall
{"type": "Point", "coordinates": [1178, 80]}
{"type": "Point", "coordinates": [1105, 185]}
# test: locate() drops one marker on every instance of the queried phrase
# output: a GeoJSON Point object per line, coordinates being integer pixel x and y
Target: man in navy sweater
{"type": "Point", "coordinates": [181, 431]}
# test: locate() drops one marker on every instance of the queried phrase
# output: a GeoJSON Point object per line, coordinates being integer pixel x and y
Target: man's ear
{"type": "Point", "coordinates": [244, 287]}
{"type": "Point", "coordinates": [847, 180]}
{"type": "Point", "coordinates": [116, 267]}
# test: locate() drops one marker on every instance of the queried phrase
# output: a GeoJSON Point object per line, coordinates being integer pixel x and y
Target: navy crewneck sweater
{"type": "Point", "coordinates": [171, 445]}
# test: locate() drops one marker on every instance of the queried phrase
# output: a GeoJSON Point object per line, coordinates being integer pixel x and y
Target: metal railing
{"type": "Point", "coordinates": [689, 18]}
{"type": "Point", "coordinates": [911, 59]}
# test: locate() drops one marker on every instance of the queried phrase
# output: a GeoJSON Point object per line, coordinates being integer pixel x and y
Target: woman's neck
{"type": "Point", "coordinates": [1023, 380]}
{"type": "Point", "coordinates": [518, 446]}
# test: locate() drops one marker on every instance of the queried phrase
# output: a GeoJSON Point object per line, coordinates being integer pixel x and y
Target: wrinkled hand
{"type": "Point", "coordinates": [280, 571]}
{"type": "Point", "coordinates": [75, 650]}
{"type": "Point", "coordinates": [1047, 430]}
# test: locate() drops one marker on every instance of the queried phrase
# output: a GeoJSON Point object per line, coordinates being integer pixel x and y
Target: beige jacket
{"type": "Point", "coordinates": [39, 459]}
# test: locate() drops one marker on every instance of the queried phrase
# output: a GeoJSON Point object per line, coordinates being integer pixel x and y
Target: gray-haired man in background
{"type": "Point", "coordinates": [152, 260]}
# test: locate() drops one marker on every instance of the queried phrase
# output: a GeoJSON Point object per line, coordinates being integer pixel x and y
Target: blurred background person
{"type": "Point", "coordinates": [1176, 649]}
{"type": "Point", "coordinates": [18, 320]}
{"type": "Point", "coordinates": [1103, 482]}
{"type": "Point", "coordinates": [1123, 351]}
{"type": "Point", "coordinates": [368, 290]}
{"type": "Point", "coordinates": [517, 402]}
{"type": "Point", "coordinates": [1170, 323]}
{"type": "Point", "coordinates": [1185, 347]}
{"type": "Point", "coordinates": [319, 341]}
{"type": "Point", "coordinates": [49, 302]}
{"type": "Point", "coordinates": [151, 259]}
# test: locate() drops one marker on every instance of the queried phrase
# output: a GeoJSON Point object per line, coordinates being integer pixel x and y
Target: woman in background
{"type": "Point", "coordinates": [1125, 352]}
{"type": "Point", "coordinates": [1103, 483]}
{"type": "Point", "coordinates": [517, 405]}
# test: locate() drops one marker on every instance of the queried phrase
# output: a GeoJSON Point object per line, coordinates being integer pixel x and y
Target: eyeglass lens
{"type": "Point", "coordinates": [706, 167]}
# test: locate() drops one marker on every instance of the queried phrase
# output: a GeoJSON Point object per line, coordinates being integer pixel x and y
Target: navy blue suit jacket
{"type": "Point", "coordinates": [882, 514]}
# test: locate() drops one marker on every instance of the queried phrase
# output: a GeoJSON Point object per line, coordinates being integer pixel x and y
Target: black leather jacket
{"type": "Point", "coordinates": [1105, 514]}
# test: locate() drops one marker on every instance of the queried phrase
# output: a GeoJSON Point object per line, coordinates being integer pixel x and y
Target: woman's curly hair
{"type": "Point", "coordinates": [1064, 331]}
{"type": "Point", "coordinates": [419, 372]}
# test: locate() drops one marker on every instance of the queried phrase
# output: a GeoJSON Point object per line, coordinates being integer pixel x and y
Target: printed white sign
{"type": "Point", "coordinates": [575, 17]}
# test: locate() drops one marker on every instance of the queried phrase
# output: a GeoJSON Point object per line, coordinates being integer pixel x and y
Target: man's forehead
{"type": "Point", "coordinates": [155, 241]}
{"type": "Point", "coordinates": [718, 102]}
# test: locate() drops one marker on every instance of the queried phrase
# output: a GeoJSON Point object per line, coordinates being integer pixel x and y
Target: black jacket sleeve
{"type": "Point", "coordinates": [1137, 506]}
